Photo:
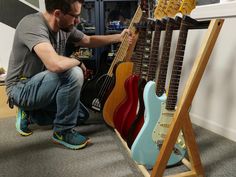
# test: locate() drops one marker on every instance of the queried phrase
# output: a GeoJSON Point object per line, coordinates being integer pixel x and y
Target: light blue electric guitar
{"type": "Point", "coordinates": [147, 145]}
{"type": "Point", "coordinates": [144, 150]}
{"type": "Point", "coordinates": [168, 108]}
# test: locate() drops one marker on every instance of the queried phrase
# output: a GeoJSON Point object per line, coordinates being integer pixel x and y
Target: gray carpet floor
{"type": "Point", "coordinates": [37, 156]}
{"type": "Point", "coordinates": [218, 154]}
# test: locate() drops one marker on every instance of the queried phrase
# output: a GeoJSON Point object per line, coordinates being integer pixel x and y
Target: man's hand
{"type": "Point", "coordinates": [130, 37]}
{"type": "Point", "coordinates": [86, 72]}
{"type": "Point", "coordinates": [82, 66]}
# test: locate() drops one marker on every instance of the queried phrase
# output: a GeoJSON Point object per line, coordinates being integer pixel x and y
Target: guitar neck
{"type": "Point", "coordinates": [161, 79]}
{"type": "Point", "coordinates": [122, 51]}
{"type": "Point", "coordinates": [151, 8]}
{"type": "Point", "coordinates": [153, 62]}
{"type": "Point", "coordinates": [138, 53]}
{"type": "Point", "coordinates": [177, 65]}
{"type": "Point", "coordinates": [146, 51]}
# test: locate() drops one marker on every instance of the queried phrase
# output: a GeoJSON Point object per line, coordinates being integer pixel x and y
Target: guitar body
{"type": "Point", "coordinates": [135, 128]}
{"type": "Point", "coordinates": [122, 111]}
{"type": "Point", "coordinates": [138, 121]}
{"type": "Point", "coordinates": [122, 72]}
{"type": "Point", "coordinates": [144, 151]}
{"type": "Point", "coordinates": [161, 129]}
{"type": "Point", "coordinates": [91, 88]}
{"type": "Point", "coordinates": [138, 104]}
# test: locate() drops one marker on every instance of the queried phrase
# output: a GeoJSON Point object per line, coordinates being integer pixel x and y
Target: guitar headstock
{"type": "Point", "coordinates": [144, 5]}
{"type": "Point", "coordinates": [148, 7]}
{"type": "Point", "coordinates": [159, 12]}
{"type": "Point", "coordinates": [187, 6]}
{"type": "Point", "coordinates": [151, 24]}
{"type": "Point", "coordinates": [173, 7]}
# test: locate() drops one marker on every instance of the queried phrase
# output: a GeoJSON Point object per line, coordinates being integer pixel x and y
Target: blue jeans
{"type": "Point", "coordinates": [52, 98]}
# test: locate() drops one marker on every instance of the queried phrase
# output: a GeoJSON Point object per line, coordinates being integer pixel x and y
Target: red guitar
{"type": "Point", "coordinates": [136, 122]}
{"type": "Point", "coordinates": [131, 83]}
{"type": "Point", "coordinates": [127, 110]}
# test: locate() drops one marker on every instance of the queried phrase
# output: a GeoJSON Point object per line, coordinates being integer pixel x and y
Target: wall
{"type": "Point", "coordinates": [11, 12]}
{"type": "Point", "coordinates": [6, 36]}
{"type": "Point", "coordinates": [215, 101]}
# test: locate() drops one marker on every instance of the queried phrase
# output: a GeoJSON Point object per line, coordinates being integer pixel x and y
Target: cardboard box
{"type": "Point", "coordinates": [5, 111]}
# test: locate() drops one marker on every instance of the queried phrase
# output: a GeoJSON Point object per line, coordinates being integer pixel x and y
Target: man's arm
{"type": "Point", "coordinates": [102, 40]}
{"type": "Point", "coordinates": [52, 61]}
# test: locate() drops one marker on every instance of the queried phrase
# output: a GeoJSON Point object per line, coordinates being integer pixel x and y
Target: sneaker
{"type": "Point", "coordinates": [70, 139]}
{"type": "Point", "coordinates": [22, 122]}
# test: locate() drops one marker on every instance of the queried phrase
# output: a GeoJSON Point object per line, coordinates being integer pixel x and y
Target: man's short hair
{"type": "Point", "coordinates": [63, 5]}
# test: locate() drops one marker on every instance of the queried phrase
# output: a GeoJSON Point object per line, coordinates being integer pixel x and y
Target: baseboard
{"type": "Point", "coordinates": [214, 127]}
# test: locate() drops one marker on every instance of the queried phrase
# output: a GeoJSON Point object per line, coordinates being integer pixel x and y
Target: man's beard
{"type": "Point", "coordinates": [68, 29]}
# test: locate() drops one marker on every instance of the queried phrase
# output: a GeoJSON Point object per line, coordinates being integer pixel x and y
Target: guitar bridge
{"type": "Point", "coordinates": [96, 105]}
{"type": "Point", "coordinates": [159, 144]}
{"type": "Point", "coordinates": [176, 151]}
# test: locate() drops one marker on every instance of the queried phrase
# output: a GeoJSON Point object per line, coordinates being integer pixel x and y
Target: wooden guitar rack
{"type": "Point", "coordinates": [181, 119]}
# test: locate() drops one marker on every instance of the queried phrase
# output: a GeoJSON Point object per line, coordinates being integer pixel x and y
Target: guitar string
{"type": "Point", "coordinates": [160, 86]}
{"type": "Point", "coordinates": [138, 14]}
{"type": "Point", "coordinates": [96, 101]}
{"type": "Point", "coordinates": [154, 53]}
{"type": "Point", "coordinates": [171, 102]}
{"type": "Point", "coordinates": [180, 47]}
{"type": "Point", "coordinates": [175, 76]}
{"type": "Point", "coordinates": [108, 80]}
{"type": "Point", "coordinates": [144, 49]}
{"type": "Point", "coordinates": [146, 54]}
{"type": "Point", "coordinates": [120, 57]}
{"type": "Point", "coordinates": [138, 57]}
{"type": "Point", "coordinates": [183, 37]}
{"type": "Point", "coordinates": [138, 120]}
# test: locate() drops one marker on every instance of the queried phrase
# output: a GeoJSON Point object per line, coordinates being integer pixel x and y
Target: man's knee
{"type": "Point", "coordinates": [76, 75]}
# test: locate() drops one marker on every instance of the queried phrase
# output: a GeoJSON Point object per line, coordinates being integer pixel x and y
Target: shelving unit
{"type": "Point", "coordinates": [96, 16]}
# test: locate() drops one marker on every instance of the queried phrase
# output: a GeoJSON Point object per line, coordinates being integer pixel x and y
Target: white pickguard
{"type": "Point", "coordinates": [162, 127]}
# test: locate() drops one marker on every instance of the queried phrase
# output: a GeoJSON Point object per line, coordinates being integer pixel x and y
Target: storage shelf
{"type": "Point", "coordinates": [113, 31]}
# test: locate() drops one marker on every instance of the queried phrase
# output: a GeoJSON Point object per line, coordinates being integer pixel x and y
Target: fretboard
{"type": "Point", "coordinates": [177, 66]}
{"type": "Point", "coordinates": [122, 51]}
{"type": "Point", "coordinates": [153, 61]}
{"type": "Point", "coordinates": [171, 24]}
{"type": "Point", "coordinates": [146, 52]}
{"type": "Point", "coordinates": [139, 48]}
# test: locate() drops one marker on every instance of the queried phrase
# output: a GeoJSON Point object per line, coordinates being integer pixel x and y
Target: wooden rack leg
{"type": "Point", "coordinates": [191, 144]}
{"type": "Point", "coordinates": [181, 119]}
